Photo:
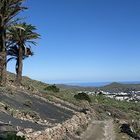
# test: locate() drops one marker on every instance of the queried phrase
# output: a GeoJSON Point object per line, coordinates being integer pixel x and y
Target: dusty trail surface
{"type": "Point", "coordinates": [99, 130]}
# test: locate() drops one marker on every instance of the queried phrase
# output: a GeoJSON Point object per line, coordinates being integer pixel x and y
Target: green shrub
{"type": "Point", "coordinates": [52, 88]}
{"type": "Point", "coordinates": [82, 96]}
{"type": "Point", "coordinates": [14, 137]}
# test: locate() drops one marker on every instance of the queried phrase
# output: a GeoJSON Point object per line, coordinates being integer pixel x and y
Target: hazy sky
{"type": "Point", "coordinates": [84, 40]}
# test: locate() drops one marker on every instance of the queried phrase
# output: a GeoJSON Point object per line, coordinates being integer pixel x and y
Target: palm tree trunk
{"type": "Point", "coordinates": [2, 58]}
{"type": "Point", "coordinates": [19, 66]}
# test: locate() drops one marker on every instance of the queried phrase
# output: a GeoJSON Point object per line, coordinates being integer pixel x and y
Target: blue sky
{"type": "Point", "coordinates": [84, 40]}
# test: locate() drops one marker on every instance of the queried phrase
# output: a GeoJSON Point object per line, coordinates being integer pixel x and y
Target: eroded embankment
{"type": "Point", "coordinates": [58, 132]}
{"type": "Point", "coordinates": [52, 122]}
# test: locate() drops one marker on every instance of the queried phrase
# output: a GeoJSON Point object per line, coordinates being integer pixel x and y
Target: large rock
{"type": "Point", "coordinates": [21, 134]}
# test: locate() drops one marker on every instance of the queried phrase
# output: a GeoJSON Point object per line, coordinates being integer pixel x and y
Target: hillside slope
{"type": "Point", "coordinates": [39, 112]}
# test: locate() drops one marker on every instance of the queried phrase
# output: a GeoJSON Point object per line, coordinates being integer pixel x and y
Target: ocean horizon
{"type": "Point", "coordinates": [99, 84]}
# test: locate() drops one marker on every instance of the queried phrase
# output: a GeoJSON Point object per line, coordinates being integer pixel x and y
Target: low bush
{"type": "Point", "coordinates": [52, 88]}
{"type": "Point", "coordinates": [82, 96]}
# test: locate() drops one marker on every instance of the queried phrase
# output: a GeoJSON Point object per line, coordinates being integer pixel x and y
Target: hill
{"type": "Point", "coordinates": [119, 87]}
{"type": "Point", "coordinates": [41, 111]}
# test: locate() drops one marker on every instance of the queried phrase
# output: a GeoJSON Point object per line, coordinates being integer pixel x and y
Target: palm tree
{"type": "Point", "coordinates": [8, 10]}
{"type": "Point", "coordinates": [13, 53]}
{"type": "Point", "coordinates": [22, 37]}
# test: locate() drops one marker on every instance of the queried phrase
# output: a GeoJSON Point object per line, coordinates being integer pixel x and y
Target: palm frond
{"type": "Point", "coordinates": [11, 58]}
{"type": "Point", "coordinates": [23, 33]}
{"type": "Point", "coordinates": [9, 9]}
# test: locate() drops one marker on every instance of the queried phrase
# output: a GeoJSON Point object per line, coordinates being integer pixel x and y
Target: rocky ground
{"type": "Point", "coordinates": [39, 116]}
{"type": "Point", "coordinates": [36, 118]}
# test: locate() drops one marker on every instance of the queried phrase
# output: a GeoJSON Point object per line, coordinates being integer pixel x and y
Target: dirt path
{"type": "Point", "coordinates": [99, 130]}
{"type": "Point", "coordinates": [109, 130]}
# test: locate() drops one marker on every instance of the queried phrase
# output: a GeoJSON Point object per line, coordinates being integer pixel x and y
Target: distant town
{"type": "Point", "coordinates": [118, 91]}
{"type": "Point", "coordinates": [134, 96]}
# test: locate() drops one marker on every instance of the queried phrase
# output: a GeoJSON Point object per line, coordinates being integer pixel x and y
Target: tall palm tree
{"type": "Point", "coordinates": [8, 10]}
{"type": "Point", "coordinates": [22, 37]}
{"type": "Point", "coordinates": [13, 53]}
